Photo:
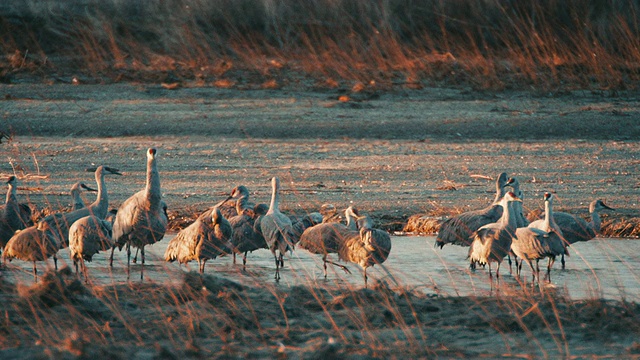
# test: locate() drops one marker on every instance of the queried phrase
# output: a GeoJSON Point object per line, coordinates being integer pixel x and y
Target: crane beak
{"type": "Point", "coordinates": [227, 199]}
{"type": "Point", "coordinates": [607, 206]}
{"type": "Point", "coordinates": [113, 170]}
{"type": "Point", "coordinates": [88, 188]}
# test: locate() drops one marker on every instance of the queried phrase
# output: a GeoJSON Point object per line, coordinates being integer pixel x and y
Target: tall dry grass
{"type": "Point", "coordinates": [491, 44]}
{"type": "Point", "coordinates": [212, 317]}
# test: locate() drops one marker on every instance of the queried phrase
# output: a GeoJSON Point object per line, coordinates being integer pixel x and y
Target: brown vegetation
{"type": "Point", "coordinates": [495, 44]}
{"type": "Point", "coordinates": [212, 317]}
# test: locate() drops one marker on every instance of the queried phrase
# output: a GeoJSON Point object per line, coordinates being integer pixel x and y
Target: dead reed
{"type": "Point", "coordinates": [493, 44]}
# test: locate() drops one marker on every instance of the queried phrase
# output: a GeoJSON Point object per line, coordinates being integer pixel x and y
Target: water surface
{"type": "Point", "coordinates": [606, 268]}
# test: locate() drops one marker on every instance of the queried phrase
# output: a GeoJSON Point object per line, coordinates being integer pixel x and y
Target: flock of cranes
{"type": "Point", "coordinates": [501, 230]}
{"type": "Point", "coordinates": [142, 220]}
{"type": "Point", "coordinates": [493, 233]}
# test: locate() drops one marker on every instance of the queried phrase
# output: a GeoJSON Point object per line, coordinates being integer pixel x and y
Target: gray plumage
{"type": "Point", "coordinates": [575, 228]}
{"type": "Point", "coordinates": [458, 230]}
{"type": "Point", "coordinates": [13, 215]}
{"type": "Point", "coordinates": [35, 243]}
{"type": "Point", "coordinates": [541, 239]}
{"type": "Point", "coordinates": [369, 247]}
{"type": "Point", "coordinates": [245, 237]}
{"type": "Point", "coordinates": [88, 236]}
{"type": "Point", "coordinates": [60, 222]}
{"type": "Point", "coordinates": [521, 220]}
{"type": "Point", "coordinates": [206, 238]}
{"type": "Point", "coordinates": [276, 228]}
{"type": "Point", "coordinates": [491, 242]}
{"type": "Point", "coordinates": [300, 224]}
{"type": "Point", "coordinates": [327, 237]}
{"type": "Point", "coordinates": [76, 198]}
{"type": "Point", "coordinates": [141, 219]}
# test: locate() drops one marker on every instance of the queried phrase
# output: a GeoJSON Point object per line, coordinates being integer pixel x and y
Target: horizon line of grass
{"type": "Point", "coordinates": [491, 44]}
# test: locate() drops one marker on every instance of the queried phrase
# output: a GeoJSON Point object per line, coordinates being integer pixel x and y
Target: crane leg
{"type": "Point", "coordinates": [35, 272]}
{"type": "Point", "coordinates": [490, 274]}
{"type": "Point", "coordinates": [346, 269]}
{"type": "Point", "coordinates": [55, 262]}
{"type": "Point", "coordinates": [562, 261]}
{"type": "Point", "coordinates": [142, 268]}
{"type": "Point", "coordinates": [365, 278]}
{"type": "Point", "coordinates": [204, 261]}
{"type": "Point", "coordinates": [518, 269]}
{"type": "Point", "coordinates": [552, 260]}
{"type": "Point", "coordinates": [84, 271]}
{"type": "Point", "coordinates": [234, 258]}
{"type": "Point", "coordinates": [111, 257]}
{"type": "Point", "coordinates": [277, 268]}
{"type": "Point", "coordinates": [244, 261]}
{"type": "Point", "coordinates": [75, 263]}
{"type": "Point", "coordinates": [135, 257]}
{"type": "Point", "coordinates": [128, 261]}
{"type": "Point", "coordinates": [324, 265]}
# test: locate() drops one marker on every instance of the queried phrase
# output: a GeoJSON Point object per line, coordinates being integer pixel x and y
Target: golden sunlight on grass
{"type": "Point", "coordinates": [486, 44]}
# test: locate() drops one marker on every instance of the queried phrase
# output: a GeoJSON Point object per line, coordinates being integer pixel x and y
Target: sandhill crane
{"type": "Point", "coordinates": [88, 236]}
{"type": "Point", "coordinates": [60, 222]}
{"type": "Point", "coordinates": [142, 218]}
{"type": "Point", "coordinates": [230, 208]}
{"type": "Point", "coordinates": [327, 237]}
{"type": "Point", "coordinates": [458, 230]}
{"type": "Point", "coordinates": [35, 243]}
{"type": "Point", "coordinates": [330, 213]}
{"type": "Point", "coordinates": [245, 238]}
{"type": "Point", "coordinates": [13, 215]}
{"type": "Point", "coordinates": [206, 238]}
{"type": "Point", "coordinates": [575, 228]}
{"type": "Point", "coordinates": [491, 242]}
{"type": "Point", "coordinates": [371, 246]}
{"type": "Point", "coordinates": [300, 224]}
{"type": "Point", "coordinates": [540, 239]}
{"type": "Point", "coordinates": [76, 189]}
{"type": "Point", "coordinates": [276, 228]}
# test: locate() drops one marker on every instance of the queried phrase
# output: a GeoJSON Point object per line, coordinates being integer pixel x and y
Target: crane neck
{"type": "Point", "coordinates": [100, 207]}
{"type": "Point", "coordinates": [351, 222]}
{"type": "Point", "coordinates": [500, 191]}
{"type": "Point", "coordinates": [275, 197]}
{"type": "Point", "coordinates": [75, 196]}
{"type": "Point", "coordinates": [242, 204]}
{"type": "Point", "coordinates": [152, 189]}
{"type": "Point", "coordinates": [595, 222]}
{"type": "Point", "coordinates": [12, 196]}
{"type": "Point", "coordinates": [508, 219]}
{"type": "Point", "coordinates": [548, 216]}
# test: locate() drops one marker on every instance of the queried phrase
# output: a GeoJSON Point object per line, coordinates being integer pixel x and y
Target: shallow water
{"type": "Point", "coordinates": [601, 268]}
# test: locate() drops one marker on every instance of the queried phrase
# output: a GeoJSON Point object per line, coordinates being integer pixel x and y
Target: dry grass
{"type": "Point", "coordinates": [493, 44]}
{"type": "Point", "coordinates": [212, 317]}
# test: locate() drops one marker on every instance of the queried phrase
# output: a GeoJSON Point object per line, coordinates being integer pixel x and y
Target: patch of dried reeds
{"type": "Point", "coordinates": [211, 317]}
{"type": "Point", "coordinates": [494, 44]}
